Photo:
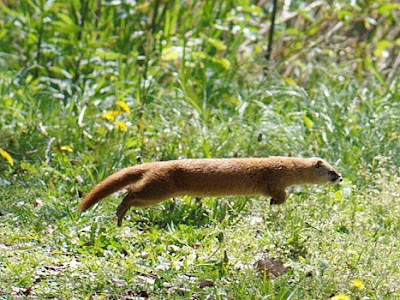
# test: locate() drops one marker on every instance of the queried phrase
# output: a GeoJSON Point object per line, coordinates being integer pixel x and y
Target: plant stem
{"type": "Point", "coordinates": [271, 30]}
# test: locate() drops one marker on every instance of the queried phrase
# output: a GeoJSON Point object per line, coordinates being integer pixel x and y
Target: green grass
{"type": "Point", "coordinates": [87, 89]}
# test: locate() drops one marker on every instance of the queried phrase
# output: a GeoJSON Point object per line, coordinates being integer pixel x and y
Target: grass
{"type": "Point", "coordinates": [87, 89]}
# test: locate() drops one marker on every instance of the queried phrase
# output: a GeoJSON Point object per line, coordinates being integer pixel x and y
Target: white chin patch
{"type": "Point", "coordinates": [338, 180]}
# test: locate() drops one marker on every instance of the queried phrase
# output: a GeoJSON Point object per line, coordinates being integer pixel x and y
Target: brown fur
{"type": "Point", "coordinates": [154, 182]}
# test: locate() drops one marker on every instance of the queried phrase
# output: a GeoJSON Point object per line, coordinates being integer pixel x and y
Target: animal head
{"type": "Point", "coordinates": [325, 172]}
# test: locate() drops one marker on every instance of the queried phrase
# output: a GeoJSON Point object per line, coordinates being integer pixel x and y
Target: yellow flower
{"type": "Point", "coordinates": [122, 126]}
{"type": "Point", "coordinates": [124, 107]}
{"type": "Point", "coordinates": [358, 284]}
{"type": "Point", "coordinates": [66, 148]}
{"type": "Point", "coordinates": [111, 115]}
{"type": "Point", "coordinates": [340, 297]}
{"type": "Point", "coordinates": [7, 156]}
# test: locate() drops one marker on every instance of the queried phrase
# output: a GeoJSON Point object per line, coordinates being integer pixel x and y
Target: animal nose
{"type": "Point", "coordinates": [340, 179]}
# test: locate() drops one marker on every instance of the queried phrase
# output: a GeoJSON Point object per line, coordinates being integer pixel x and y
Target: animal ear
{"type": "Point", "coordinates": [318, 164]}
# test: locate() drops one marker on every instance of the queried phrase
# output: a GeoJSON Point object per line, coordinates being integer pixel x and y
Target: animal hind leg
{"type": "Point", "coordinates": [124, 206]}
{"type": "Point", "coordinates": [146, 195]}
{"type": "Point", "coordinates": [131, 199]}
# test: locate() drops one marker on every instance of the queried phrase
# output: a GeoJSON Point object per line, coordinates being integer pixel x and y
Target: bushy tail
{"type": "Point", "coordinates": [111, 184]}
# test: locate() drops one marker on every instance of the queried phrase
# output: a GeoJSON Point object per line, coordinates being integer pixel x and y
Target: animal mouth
{"type": "Point", "coordinates": [337, 179]}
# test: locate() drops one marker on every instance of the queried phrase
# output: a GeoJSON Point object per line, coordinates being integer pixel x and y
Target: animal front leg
{"type": "Point", "coordinates": [278, 197]}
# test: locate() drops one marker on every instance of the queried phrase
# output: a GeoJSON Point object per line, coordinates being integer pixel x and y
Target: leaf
{"type": "Point", "coordinates": [217, 44]}
{"type": "Point", "coordinates": [379, 76]}
{"type": "Point", "coordinates": [66, 24]}
{"type": "Point", "coordinates": [293, 31]}
{"type": "Point", "coordinates": [338, 195]}
{"type": "Point", "coordinates": [271, 267]}
{"type": "Point", "coordinates": [382, 47]}
{"type": "Point", "coordinates": [61, 72]}
{"type": "Point", "coordinates": [313, 31]}
{"type": "Point", "coordinates": [206, 282]}
{"type": "Point", "coordinates": [223, 62]}
{"type": "Point", "coordinates": [149, 279]}
{"type": "Point", "coordinates": [118, 282]}
{"type": "Point", "coordinates": [3, 33]}
{"type": "Point", "coordinates": [28, 291]}
{"type": "Point", "coordinates": [108, 55]}
{"type": "Point", "coordinates": [384, 44]}
{"type": "Point", "coordinates": [345, 15]}
{"type": "Point", "coordinates": [7, 156]}
{"type": "Point", "coordinates": [253, 9]}
{"type": "Point", "coordinates": [38, 202]}
{"type": "Point", "coordinates": [290, 81]}
{"type": "Point", "coordinates": [171, 19]}
{"type": "Point", "coordinates": [308, 122]}
{"type": "Point", "coordinates": [144, 8]}
{"type": "Point", "coordinates": [387, 8]}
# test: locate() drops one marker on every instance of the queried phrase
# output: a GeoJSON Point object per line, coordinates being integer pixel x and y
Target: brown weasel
{"type": "Point", "coordinates": [151, 183]}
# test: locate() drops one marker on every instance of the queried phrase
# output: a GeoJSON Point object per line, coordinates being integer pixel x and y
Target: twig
{"type": "Point", "coordinates": [48, 149]}
{"type": "Point", "coordinates": [286, 15]}
{"type": "Point", "coordinates": [394, 68]}
{"type": "Point", "coordinates": [319, 40]}
{"type": "Point", "coordinates": [271, 30]}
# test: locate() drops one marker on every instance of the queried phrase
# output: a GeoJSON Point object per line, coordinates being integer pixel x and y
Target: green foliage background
{"type": "Point", "coordinates": [88, 87]}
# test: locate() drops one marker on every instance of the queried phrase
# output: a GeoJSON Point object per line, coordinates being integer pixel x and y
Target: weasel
{"type": "Point", "coordinates": [154, 182]}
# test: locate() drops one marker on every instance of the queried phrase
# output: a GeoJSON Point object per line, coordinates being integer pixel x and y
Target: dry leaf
{"type": "Point", "coordinates": [179, 290]}
{"type": "Point", "coordinates": [196, 245]}
{"type": "Point", "coordinates": [272, 267]}
{"type": "Point", "coordinates": [118, 282]}
{"type": "Point", "coordinates": [205, 283]}
{"type": "Point", "coordinates": [28, 291]}
{"type": "Point", "coordinates": [148, 279]}
{"type": "Point", "coordinates": [38, 202]}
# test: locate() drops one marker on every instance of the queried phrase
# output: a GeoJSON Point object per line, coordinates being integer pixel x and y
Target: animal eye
{"type": "Point", "coordinates": [332, 173]}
